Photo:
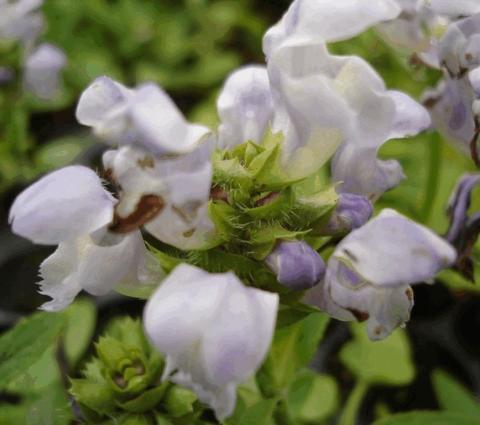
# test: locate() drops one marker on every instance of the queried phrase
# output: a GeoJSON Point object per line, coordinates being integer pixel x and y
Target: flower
{"type": "Point", "coordinates": [369, 274]}
{"type": "Point", "coordinates": [245, 107]}
{"type": "Point", "coordinates": [20, 20]}
{"type": "Point", "coordinates": [145, 116]}
{"type": "Point", "coordinates": [296, 265]}
{"type": "Point", "coordinates": [213, 330]}
{"type": "Point", "coordinates": [42, 68]}
{"type": "Point", "coordinates": [71, 209]}
{"type": "Point", "coordinates": [322, 100]}
{"type": "Point", "coordinates": [162, 168]}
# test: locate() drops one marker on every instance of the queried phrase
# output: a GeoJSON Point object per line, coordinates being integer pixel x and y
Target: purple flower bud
{"type": "Point", "coordinates": [464, 229]}
{"type": "Point", "coordinates": [352, 212]}
{"type": "Point", "coordinates": [296, 264]}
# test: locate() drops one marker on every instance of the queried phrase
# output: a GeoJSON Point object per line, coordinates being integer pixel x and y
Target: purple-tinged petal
{"type": "Point", "coordinates": [245, 107]}
{"type": "Point", "coordinates": [42, 69]}
{"type": "Point", "coordinates": [351, 212]}
{"type": "Point", "coordinates": [62, 205]}
{"type": "Point", "coordinates": [296, 265]}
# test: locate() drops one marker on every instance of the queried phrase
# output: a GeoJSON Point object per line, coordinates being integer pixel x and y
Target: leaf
{"type": "Point", "coordinates": [386, 362]}
{"type": "Point", "coordinates": [293, 347]}
{"type": "Point", "coordinates": [29, 339]}
{"type": "Point", "coordinates": [179, 401]}
{"type": "Point", "coordinates": [259, 414]}
{"type": "Point", "coordinates": [147, 400]}
{"type": "Point", "coordinates": [452, 396]}
{"type": "Point", "coordinates": [312, 397]}
{"type": "Point", "coordinates": [427, 418]}
{"type": "Point", "coordinates": [98, 397]}
{"type": "Point", "coordinates": [81, 320]}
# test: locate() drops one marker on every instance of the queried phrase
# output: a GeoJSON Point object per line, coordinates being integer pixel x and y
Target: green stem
{"type": "Point", "coordinates": [354, 401]}
{"type": "Point", "coordinates": [434, 166]}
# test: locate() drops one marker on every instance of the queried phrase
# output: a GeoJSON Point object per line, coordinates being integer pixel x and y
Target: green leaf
{"type": "Point", "coordinates": [98, 397]}
{"type": "Point", "coordinates": [312, 397]}
{"type": "Point", "coordinates": [293, 347]}
{"type": "Point", "coordinates": [21, 347]}
{"type": "Point", "coordinates": [387, 362]}
{"type": "Point", "coordinates": [428, 418]}
{"type": "Point", "coordinates": [452, 396]}
{"type": "Point", "coordinates": [179, 401]}
{"type": "Point", "coordinates": [146, 400]}
{"type": "Point", "coordinates": [81, 320]}
{"type": "Point", "coordinates": [259, 414]}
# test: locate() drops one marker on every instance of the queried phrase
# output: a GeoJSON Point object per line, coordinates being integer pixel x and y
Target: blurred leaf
{"type": "Point", "coordinates": [427, 418]}
{"type": "Point", "coordinates": [179, 401]}
{"type": "Point", "coordinates": [312, 397]}
{"type": "Point", "coordinates": [259, 414]}
{"type": "Point", "coordinates": [293, 347]}
{"type": "Point", "coordinates": [387, 362]}
{"type": "Point", "coordinates": [29, 339]}
{"type": "Point", "coordinates": [81, 321]}
{"type": "Point", "coordinates": [452, 396]}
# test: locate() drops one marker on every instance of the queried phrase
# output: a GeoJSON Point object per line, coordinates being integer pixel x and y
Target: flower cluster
{"type": "Point", "coordinates": [242, 217]}
{"type": "Point", "coordinates": [21, 23]}
{"type": "Point", "coordinates": [445, 35]}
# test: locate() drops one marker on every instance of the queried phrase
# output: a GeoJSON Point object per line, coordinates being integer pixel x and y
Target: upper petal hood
{"type": "Point", "coordinates": [63, 205]}
{"type": "Point", "coordinates": [391, 250]}
{"type": "Point", "coordinates": [245, 106]}
{"type": "Point", "coordinates": [145, 116]}
{"type": "Point", "coordinates": [327, 21]}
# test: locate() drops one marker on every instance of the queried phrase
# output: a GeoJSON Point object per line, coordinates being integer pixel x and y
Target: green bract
{"type": "Point", "coordinates": [124, 381]}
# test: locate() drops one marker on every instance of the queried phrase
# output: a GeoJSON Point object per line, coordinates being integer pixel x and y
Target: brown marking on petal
{"type": "Point", "coordinates": [146, 162]}
{"type": "Point", "coordinates": [148, 207]}
{"type": "Point", "coordinates": [474, 144]}
{"type": "Point", "coordinates": [378, 330]}
{"type": "Point", "coordinates": [350, 255]}
{"type": "Point", "coordinates": [468, 57]}
{"type": "Point", "coordinates": [409, 294]}
{"type": "Point", "coordinates": [188, 233]}
{"type": "Point", "coordinates": [359, 315]}
{"type": "Point", "coordinates": [272, 196]}
{"type": "Point", "coordinates": [430, 102]}
{"type": "Point", "coordinates": [218, 194]}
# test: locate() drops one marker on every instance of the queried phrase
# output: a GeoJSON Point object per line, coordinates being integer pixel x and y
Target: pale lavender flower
{"type": "Point", "coordinates": [245, 107]}
{"type": "Point", "coordinates": [214, 332]}
{"type": "Point", "coordinates": [369, 274]}
{"type": "Point", "coordinates": [71, 209]}
{"type": "Point", "coordinates": [296, 264]}
{"type": "Point", "coordinates": [20, 20]}
{"type": "Point", "coordinates": [42, 71]}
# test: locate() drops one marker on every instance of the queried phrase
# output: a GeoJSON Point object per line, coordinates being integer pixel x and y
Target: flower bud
{"type": "Point", "coordinates": [296, 265]}
{"type": "Point", "coordinates": [352, 212]}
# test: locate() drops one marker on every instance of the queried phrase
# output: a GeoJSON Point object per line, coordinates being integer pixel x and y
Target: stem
{"type": "Point", "coordinates": [434, 166]}
{"type": "Point", "coordinates": [354, 401]}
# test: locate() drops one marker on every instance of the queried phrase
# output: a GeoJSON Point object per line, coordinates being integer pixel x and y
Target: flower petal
{"type": "Point", "coordinates": [245, 106]}
{"type": "Point", "coordinates": [391, 250]}
{"type": "Point", "coordinates": [62, 205]}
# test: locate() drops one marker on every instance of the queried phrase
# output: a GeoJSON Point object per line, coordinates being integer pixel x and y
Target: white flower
{"type": "Point", "coordinates": [162, 168]}
{"type": "Point", "coordinates": [245, 107]}
{"type": "Point", "coordinates": [369, 273]}
{"type": "Point", "coordinates": [42, 69]}
{"type": "Point", "coordinates": [145, 116]}
{"type": "Point", "coordinates": [455, 8]}
{"type": "Point", "coordinates": [71, 209]}
{"type": "Point", "coordinates": [168, 195]}
{"type": "Point", "coordinates": [322, 100]}
{"type": "Point", "coordinates": [20, 19]}
{"type": "Point", "coordinates": [214, 331]}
